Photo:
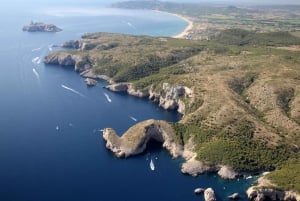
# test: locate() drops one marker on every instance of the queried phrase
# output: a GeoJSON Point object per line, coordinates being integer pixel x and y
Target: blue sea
{"type": "Point", "coordinates": [51, 147]}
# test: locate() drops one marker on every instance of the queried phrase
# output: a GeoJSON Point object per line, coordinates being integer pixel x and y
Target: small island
{"type": "Point", "coordinates": [41, 27]}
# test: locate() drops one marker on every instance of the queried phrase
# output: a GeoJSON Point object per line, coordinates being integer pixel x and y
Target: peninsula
{"type": "Point", "coordinates": [237, 89]}
{"type": "Point", "coordinates": [41, 27]}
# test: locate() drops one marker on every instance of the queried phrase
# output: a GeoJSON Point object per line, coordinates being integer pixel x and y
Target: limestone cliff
{"type": "Point", "coordinates": [78, 62]}
{"type": "Point", "coordinates": [168, 98]}
{"type": "Point", "coordinates": [134, 140]}
{"type": "Point", "coordinates": [265, 190]}
{"type": "Point", "coordinates": [227, 172]}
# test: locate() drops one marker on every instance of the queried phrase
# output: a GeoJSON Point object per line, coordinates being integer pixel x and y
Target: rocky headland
{"type": "Point", "coordinates": [238, 114]}
{"type": "Point", "coordinates": [266, 190]}
{"type": "Point", "coordinates": [134, 140]}
{"type": "Point", "coordinates": [41, 27]}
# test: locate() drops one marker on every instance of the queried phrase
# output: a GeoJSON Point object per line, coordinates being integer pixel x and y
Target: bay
{"type": "Point", "coordinates": [51, 146]}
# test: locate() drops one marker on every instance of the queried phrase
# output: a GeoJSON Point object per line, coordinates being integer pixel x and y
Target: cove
{"type": "Point", "coordinates": [51, 146]}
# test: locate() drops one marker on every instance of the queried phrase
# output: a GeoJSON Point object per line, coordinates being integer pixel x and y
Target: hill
{"type": "Point", "coordinates": [244, 107]}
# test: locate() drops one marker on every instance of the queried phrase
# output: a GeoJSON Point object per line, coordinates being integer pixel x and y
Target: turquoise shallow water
{"type": "Point", "coordinates": [50, 144]}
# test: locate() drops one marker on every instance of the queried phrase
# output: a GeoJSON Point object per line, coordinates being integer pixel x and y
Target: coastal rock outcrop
{"type": "Point", "coordinates": [127, 87]}
{"type": "Point", "coordinates": [120, 87]}
{"type": "Point", "coordinates": [168, 97]}
{"type": "Point", "coordinates": [74, 44]}
{"type": "Point", "coordinates": [265, 190]}
{"type": "Point", "coordinates": [171, 98]}
{"type": "Point", "coordinates": [135, 139]}
{"type": "Point", "coordinates": [194, 167]}
{"type": "Point", "coordinates": [90, 81]}
{"type": "Point", "coordinates": [41, 27]}
{"type": "Point", "coordinates": [209, 195]}
{"type": "Point", "coordinates": [227, 172]}
{"type": "Point", "coordinates": [89, 74]}
{"type": "Point", "coordinates": [80, 63]}
{"type": "Point", "coordinates": [62, 59]}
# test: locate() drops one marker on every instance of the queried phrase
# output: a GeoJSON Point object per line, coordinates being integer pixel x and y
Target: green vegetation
{"type": "Point", "coordinates": [242, 37]}
{"type": "Point", "coordinates": [240, 84]}
{"type": "Point", "coordinates": [244, 109]}
{"type": "Point", "coordinates": [288, 176]}
{"type": "Point", "coordinates": [127, 58]}
{"type": "Point", "coordinates": [149, 62]}
{"type": "Point", "coordinates": [222, 17]}
{"type": "Point", "coordinates": [235, 148]}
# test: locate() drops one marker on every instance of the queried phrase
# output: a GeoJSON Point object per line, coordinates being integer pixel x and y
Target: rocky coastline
{"type": "Point", "coordinates": [41, 27]}
{"type": "Point", "coordinates": [266, 190]}
{"type": "Point", "coordinates": [134, 141]}
{"type": "Point", "coordinates": [168, 98]}
{"type": "Point", "coordinates": [169, 101]}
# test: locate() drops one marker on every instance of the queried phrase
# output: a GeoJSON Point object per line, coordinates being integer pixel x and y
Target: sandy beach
{"type": "Point", "coordinates": [185, 32]}
{"type": "Point", "coordinates": [187, 29]}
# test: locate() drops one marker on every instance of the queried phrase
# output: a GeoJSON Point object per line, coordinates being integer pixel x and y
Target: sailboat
{"type": "Point", "coordinates": [152, 167]}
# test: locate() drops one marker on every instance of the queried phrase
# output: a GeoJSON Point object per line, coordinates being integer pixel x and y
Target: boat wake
{"type": "Point", "coordinates": [72, 90]}
{"type": "Point", "coordinates": [36, 73]}
{"type": "Point", "coordinates": [50, 47]}
{"type": "Point", "coordinates": [107, 97]}
{"type": "Point", "coordinates": [131, 117]}
{"type": "Point", "coordinates": [152, 166]}
{"type": "Point", "coordinates": [131, 25]}
{"type": "Point", "coordinates": [36, 49]}
{"type": "Point", "coordinates": [36, 60]}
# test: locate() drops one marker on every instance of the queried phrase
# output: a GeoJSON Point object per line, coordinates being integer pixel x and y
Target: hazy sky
{"type": "Point", "coordinates": [107, 2]}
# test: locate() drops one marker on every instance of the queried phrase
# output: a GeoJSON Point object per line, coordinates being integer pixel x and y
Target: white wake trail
{"type": "Point", "coordinates": [131, 25]}
{"type": "Point", "coordinates": [36, 49]}
{"type": "Point", "coordinates": [107, 97]}
{"type": "Point", "coordinates": [36, 60]}
{"type": "Point", "coordinates": [72, 90]}
{"type": "Point", "coordinates": [36, 73]}
{"type": "Point", "coordinates": [50, 47]}
{"type": "Point", "coordinates": [131, 117]}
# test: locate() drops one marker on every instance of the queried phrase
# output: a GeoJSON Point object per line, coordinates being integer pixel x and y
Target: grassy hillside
{"type": "Point", "coordinates": [127, 58]}
{"type": "Point", "coordinates": [245, 107]}
{"type": "Point", "coordinates": [210, 19]}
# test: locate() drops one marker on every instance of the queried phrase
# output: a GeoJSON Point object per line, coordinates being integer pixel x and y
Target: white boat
{"type": "Point", "coordinates": [57, 128]}
{"type": "Point", "coordinates": [249, 177]}
{"type": "Point", "coordinates": [152, 167]}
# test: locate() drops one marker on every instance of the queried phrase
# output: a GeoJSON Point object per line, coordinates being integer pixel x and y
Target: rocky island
{"type": "Point", "coordinates": [41, 27]}
{"type": "Point", "coordinates": [238, 93]}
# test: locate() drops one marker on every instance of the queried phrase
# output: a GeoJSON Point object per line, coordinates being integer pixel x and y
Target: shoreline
{"type": "Point", "coordinates": [187, 29]}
